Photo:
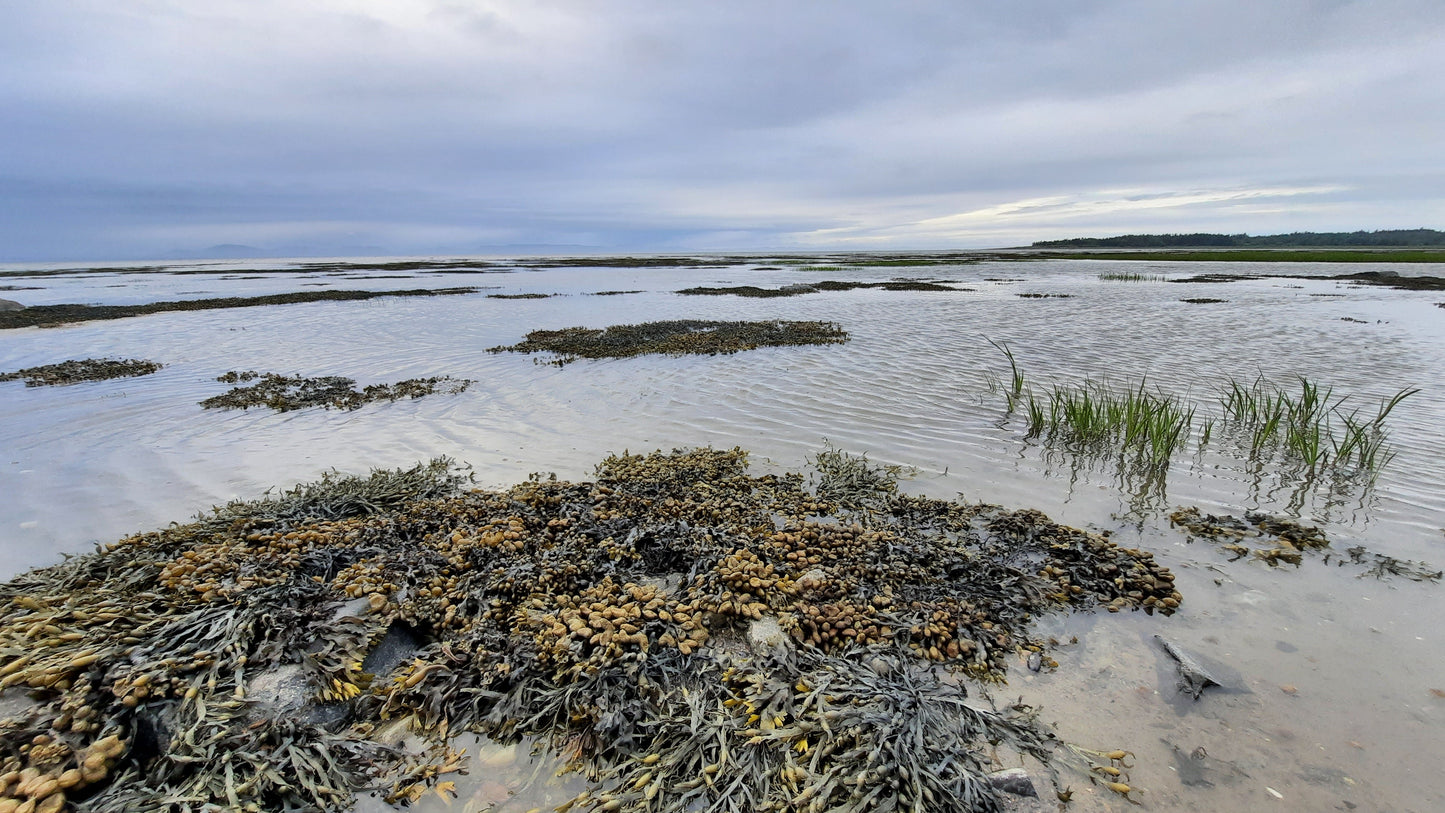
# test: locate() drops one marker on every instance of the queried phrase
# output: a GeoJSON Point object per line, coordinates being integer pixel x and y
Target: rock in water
{"type": "Point", "coordinates": [1192, 677]}
{"type": "Point", "coordinates": [10, 305]}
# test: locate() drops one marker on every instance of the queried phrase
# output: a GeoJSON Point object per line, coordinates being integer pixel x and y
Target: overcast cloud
{"type": "Point", "coordinates": [152, 128]}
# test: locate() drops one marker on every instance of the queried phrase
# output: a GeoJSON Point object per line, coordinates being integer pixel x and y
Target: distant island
{"type": "Point", "coordinates": [1389, 238]}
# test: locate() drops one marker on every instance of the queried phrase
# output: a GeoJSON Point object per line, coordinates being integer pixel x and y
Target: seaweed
{"type": "Point", "coordinates": [1287, 540]}
{"type": "Point", "coordinates": [77, 370]}
{"type": "Point", "coordinates": [685, 634]}
{"type": "Point", "coordinates": [51, 315]}
{"type": "Point", "coordinates": [1204, 300]}
{"type": "Point", "coordinates": [673, 338]}
{"type": "Point", "coordinates": [798, 289]}
{"type": "Point", "coordinates": [286, 393]}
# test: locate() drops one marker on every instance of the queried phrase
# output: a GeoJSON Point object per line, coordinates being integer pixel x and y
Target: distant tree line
{"type": "Point", "coordinates": [1388, 237]}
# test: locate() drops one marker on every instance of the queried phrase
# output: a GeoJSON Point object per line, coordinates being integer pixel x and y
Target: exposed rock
{"type": "Point", "coordinates": [10, 305]}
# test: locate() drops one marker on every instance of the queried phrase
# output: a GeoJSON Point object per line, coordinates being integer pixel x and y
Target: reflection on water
{"type": "Point", "coordinates": [91, 462]}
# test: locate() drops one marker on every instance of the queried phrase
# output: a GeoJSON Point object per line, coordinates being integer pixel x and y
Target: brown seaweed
{"type": "Point", "coordinates": [77, 370]}
{"type": "Point", "coordinates": [286, 393]}
{"type": "Point", "coordinates": [623, 621]}
{"type": "Point", "coordinates": [51, 315]}
{"type": "Point", "coordinates": [673, 338]}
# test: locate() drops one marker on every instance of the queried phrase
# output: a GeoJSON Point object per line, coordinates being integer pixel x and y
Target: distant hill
{"type": "Point", "coordinates": [1390, 238]}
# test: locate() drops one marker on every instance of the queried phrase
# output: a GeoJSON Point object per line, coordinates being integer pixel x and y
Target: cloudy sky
{"type": "Point", "coordinates": [159, 128]}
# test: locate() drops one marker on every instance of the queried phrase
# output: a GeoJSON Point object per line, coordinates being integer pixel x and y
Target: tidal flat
{"type": "Point", "coordinates": [1334, 693]}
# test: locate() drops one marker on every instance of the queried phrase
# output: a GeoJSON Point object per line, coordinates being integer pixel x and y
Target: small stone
{"type": "Point", "coordinates": [1289, 689]}
{"type": "Point", "coordinates": [1013, 780]}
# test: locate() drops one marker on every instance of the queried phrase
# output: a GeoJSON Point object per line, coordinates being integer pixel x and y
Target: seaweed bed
{"type": "Point", "coordinates": [76, 370]}
{"type": "Point", "coordinates": [685, 634]}
{"type": "Point", "coordinates": [1204, 300]}
{"type": "Point", "coordinates": [285, 393]}
{"type": "Point", "coordinates": [519, 296]}
{"type": "Point", "coordinates": [1046, 296]}
{"type": "Point", "coordinates": [1384, 279]}
{"type": "Point", "coordinates": [817, 287]}
{"type": "Point", "coordinates": [673, 338]}
{"type": "Point", "coordinates": [48, 315]}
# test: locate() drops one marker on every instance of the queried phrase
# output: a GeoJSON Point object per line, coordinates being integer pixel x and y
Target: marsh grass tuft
{"type": "Point", "coordinates": [1130, 276]}
{"type": "Point", "coordinates": [1310, 433]}
{"type": "Point", "coordinates": [1310, 426]}
{"type": "Point", "coordinates": [1143, 428]}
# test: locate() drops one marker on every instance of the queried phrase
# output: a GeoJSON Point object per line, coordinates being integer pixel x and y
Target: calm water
{"type": "Point", "coordinates": [88, 463]}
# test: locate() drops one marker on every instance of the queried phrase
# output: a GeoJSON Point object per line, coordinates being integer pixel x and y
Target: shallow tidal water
{"type": "Point", "coordinates": [1332, 706]}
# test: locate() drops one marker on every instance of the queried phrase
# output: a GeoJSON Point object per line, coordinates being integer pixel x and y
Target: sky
{"type": "Point", "coordinates": [133, 129]}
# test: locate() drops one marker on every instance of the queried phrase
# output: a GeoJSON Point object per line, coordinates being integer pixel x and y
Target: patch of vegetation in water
{"type": "Point", "coordinates": [614, 293]}
{"type": "Point", "coordinates": [1218, 278]}
{"type": "Point", "coordinates": [1130, 276]}
{"type": "Point", "coordinates": [1277, 540]}
{"type": "Point", "coordinates": [1044, 296]}
{"type": "Point", "coordinates": [673, 620]}
{"type": "Point", "coordinates": [20, 288]}
{"type": "Point", "coordinates": [286, 393]}
{"type": "Point", "coordinates": [519, 296]}
{"type": "Point", "coordinates": [816, 287]}
{"type": "Point", "coordinates": [77, 370]}
{"type": "Point", "coordinates": [673, 338]}
{"type": "Point", "coordinates": [1310, 436]}
{"type": "Point", "coordinates": [1261, 255]}
{"type": "Point", "coordinates": [1313, 427]}
{"type": "Point", "coordinates": [1204, 300]}
{"type": "Point", "coordinates": [51, 315]}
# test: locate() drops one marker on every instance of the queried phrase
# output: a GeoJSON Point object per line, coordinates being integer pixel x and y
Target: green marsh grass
{"type": "Point", "coordinates": [1309, 425]}
{"type": "Point", "coordinates": [1308, 433]}
{"type": "Point", "coordinates": [1143, 427]}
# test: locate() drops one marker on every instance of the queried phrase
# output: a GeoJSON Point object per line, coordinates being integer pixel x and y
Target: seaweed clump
{"type": "Point", "coordinates": [286, 393]}
{"type": "Point", "coordinates": [52, 315]}
{"type": "Point", "coordinates": [673, 338]}
{"type": "Point", "coordinates": [686, 634]}
{"type": "Point", "coordinates": [815, 287]}
{"type": "Point", "coordinates": [76, 370]}
{"type": "Point", "coordinates": [1287, 540]}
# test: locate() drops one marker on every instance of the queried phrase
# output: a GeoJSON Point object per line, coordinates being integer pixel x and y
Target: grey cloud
{"type": "Point", "coordinates": [653, 124]}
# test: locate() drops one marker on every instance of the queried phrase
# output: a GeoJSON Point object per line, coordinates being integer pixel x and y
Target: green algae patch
{"type": "Point", "coordinates": [685, 634]}
{"type": "Point", "coordinates": [77, 370]}
{"type": "Point", "coordinates": [52, 315]}
{"type": "Point", "coordinates": [674, 338]}
{"type": "Point", "coordinates": [286, 393]}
